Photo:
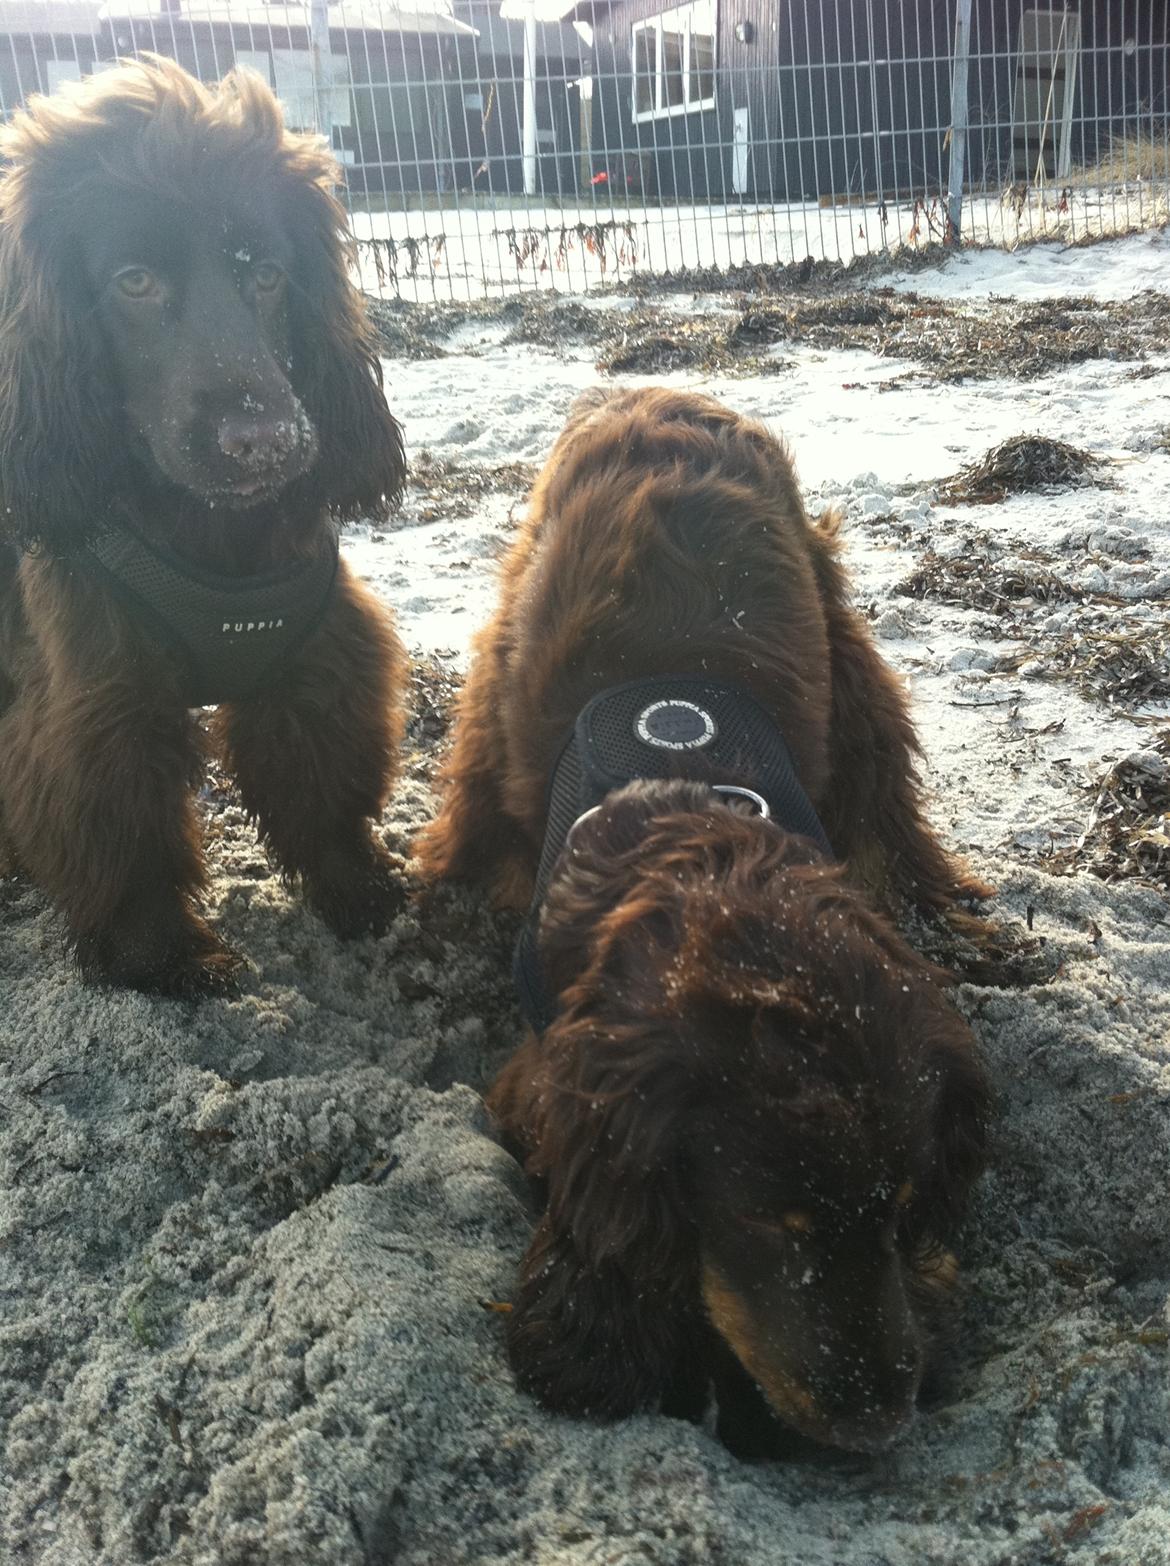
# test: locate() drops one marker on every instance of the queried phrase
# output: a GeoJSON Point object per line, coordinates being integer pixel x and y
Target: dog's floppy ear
{"type": "Point", "coordinates": [602, 1322]}
{"type": "Point", "coordinates": [335, 366]}
{"type": "Point", "coordinates": [60, 439]}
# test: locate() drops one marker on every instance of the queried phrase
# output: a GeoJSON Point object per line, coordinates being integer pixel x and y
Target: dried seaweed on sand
{"type": "Point", "coordinates": [1025, 462]}
{"type": "Point", "coordinates": [1125, 665]}
{"type": "Point", "coordinates": [448, 488]}
{"type": "Point", "coordinates": [1127, 834]}
{"type": "Point", "coordinates": [978, 581]}
{"type": "Point", "coordinates": [434, 685]}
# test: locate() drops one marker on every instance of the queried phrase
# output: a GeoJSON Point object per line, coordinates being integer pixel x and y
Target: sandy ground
{"type": "Point", "coordinates": [245, 1245]}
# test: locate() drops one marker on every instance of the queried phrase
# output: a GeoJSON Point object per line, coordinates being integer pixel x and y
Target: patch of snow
{"type": "Point", "coordinates": [1110, 269]}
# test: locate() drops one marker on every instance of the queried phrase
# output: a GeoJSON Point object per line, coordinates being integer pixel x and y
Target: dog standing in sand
{"type": "Point", "coordinates": [755, 1114]}
{"type": "Point", "coordinates": [190, 404]}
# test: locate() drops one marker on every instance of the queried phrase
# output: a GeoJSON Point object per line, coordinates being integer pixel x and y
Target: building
{"type": "Point", "coordinates": [495, 101]}
{"type": "Point", "coordinates": [42, 44]}
{"type": "Point", "coordinates": [394, 95]}
{"type": "Point", "coordinates": [783, 100]}
{"type": "Point", "coordinates": [419, 101]}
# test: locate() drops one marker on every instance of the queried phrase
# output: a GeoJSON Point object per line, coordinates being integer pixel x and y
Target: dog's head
{"type": "Point", "coordinates": [177, 309]}
{"type": "Point", "coordinates": [758, 1091]}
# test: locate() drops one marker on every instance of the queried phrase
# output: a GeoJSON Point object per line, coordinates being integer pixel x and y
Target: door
{"type": "Point", "coordinates": [1046, 82]}
{"type": "Point", "coordinates": [739, 152]}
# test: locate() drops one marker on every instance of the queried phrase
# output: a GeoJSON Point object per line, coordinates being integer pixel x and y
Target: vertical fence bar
{"type": "Point", "coordinates": [958, 120]}
{"type": "Point", "coordinates": [474, 140]}
{"type": "Point", "coordinates": [530, 100]}
{"type": "Point", "coordinates": [322, 63]}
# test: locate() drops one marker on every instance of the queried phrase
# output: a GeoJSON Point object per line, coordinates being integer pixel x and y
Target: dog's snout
{"type": "Point", "coordinates": [256, 441]}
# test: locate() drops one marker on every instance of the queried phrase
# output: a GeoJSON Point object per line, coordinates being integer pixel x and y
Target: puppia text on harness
{"type": "Point", "coordinates": [229, 633]}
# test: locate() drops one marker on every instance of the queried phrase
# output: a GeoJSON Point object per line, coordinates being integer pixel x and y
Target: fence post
{"type": "Point", "coordinates": [530, 99]}
{"type": "Point", "coordinates": [322, 62]}
{"type": "Point", "coordinates": [959, 118]}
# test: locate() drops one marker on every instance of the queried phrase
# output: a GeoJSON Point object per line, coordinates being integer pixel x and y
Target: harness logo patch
{"type": "Point", "coordinates": [245, 627]}
{"type": "Point", "coordinates": [675, 725]}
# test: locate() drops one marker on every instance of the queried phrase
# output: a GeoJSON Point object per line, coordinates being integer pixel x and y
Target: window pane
{"type": "Point", "coordinates": [258, 60]}
{"type": "Point", "coordinates": [643, 69]}
{"type": "Point", "coordinates": [673, 83]}
{"type": "Point", "coordinates": [58, 71]}
{"type": "Point", "coordinates": [702, 51]}
{"type": "Point", "coordinates": [293, 70]}
{"type": "Point", "coordinates": [295, 87]}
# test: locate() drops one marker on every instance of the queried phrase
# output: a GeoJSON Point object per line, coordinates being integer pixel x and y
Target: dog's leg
{"type": "Point", "coordinates": [602, 1323]}
{"type": "Point", "coordinates": [472, 837]}
{"type": "Point", "coordinates": [872, 810]}
{"type": "Point", "coordinates": [315, 757]}
{"type": "Point", "coordinates": [96, 798]}
{"type": "Point", "coordinates": [595, 1341]}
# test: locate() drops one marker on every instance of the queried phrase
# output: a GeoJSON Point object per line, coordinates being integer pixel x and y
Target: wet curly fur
{"type": "Point", "coordinates": [181, 348]}
{"type": "Point", "coordinates": [756, 1117]}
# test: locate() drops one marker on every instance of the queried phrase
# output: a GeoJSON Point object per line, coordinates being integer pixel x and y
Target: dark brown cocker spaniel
{"type": "Point", "coordinates": [190, 404]}
{"type": "Point", "coordinates": [755, 1114]}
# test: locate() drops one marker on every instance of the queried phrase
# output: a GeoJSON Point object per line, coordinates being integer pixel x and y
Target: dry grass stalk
{"type": "Point", "coordinates": [1132, 157]}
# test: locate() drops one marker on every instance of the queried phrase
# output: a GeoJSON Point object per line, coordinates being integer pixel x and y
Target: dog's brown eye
{"type": "Point", "coordinates": [267, 276]}
{"type": "Point", "coordinates": [136, 282]}
{"type": "Point", "coordinates": [905, 1193]}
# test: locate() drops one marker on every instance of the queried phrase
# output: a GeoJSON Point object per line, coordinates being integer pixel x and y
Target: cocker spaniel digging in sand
{"type": "Point", "coordinates": [754, 1113]}
{"type": "Point", "coordinates": [190, 403]}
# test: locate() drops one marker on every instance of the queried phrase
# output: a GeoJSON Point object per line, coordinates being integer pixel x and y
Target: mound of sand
{"type": "Point", "coordinates": [246, 1246]}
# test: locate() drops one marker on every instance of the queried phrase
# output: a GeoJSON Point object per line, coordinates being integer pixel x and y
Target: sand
{"type": "Point", "coordinates": [246, 1245]}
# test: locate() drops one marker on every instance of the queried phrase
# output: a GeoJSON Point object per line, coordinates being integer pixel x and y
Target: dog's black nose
{"type": "Point", "coordinates": [258, 442]}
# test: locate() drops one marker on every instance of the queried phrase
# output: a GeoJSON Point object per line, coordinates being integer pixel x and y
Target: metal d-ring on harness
{"type": "Point", "coordinates": [674, 726]}
{"type": "Point", "coordinates": [749, 794]}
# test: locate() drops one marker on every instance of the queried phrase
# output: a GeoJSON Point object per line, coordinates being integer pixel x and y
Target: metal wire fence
{"type": "Point", "coordinates": [488, 150]}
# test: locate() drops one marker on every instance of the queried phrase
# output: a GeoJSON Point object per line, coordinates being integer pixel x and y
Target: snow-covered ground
{"type": "Point", "coordinates": [462, 252]}
{"type": "Point", "coordinates": [879, 455]}
{"type": "Point", "coordinates": [244, 1245]}
{"type": "Point", "coordinates": [1112, 269]}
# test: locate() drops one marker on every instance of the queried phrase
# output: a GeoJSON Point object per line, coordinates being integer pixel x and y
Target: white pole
{"type": "Point", "coordinates": [959, 118]}
{"type": "Point", "coordinates": [530, 99]}
{"type": "Point", "coordinates": [322, 68]}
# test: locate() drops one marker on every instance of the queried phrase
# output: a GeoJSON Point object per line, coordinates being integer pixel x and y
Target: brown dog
{"type": "Point", "coordinates": [190, 401]}
{"type": "Point", "coordinates": [753, 1108]}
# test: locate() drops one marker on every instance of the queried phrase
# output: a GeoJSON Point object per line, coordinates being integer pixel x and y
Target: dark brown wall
{"type": "Point", "coordinates": [23, 61]}
{"type": "Point", "coordinates": [846, 97]}
{"type": "Point", "coordinates": [409, 132]}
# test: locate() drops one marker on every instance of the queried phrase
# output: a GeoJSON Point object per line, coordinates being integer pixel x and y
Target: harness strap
{"type": "Point", "coordinates": [229, 633]}
{"type": "Point", "coordinates": [673, 726]}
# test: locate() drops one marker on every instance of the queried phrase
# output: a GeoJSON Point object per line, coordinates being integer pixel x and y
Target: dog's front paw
{"type": "Point", "coordinates": [182, 958]}
{"type": "Point", "coordinates": [564, 1364]}
{"type": "Point", "coordinates": [357, 893]}
{"type": "Point", "coordinates": [591, 1342]}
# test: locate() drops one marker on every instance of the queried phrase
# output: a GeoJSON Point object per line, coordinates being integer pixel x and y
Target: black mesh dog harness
{"type": "Point", "coordinates": [672, 726]}
{"type": "Point", "coordinates": [230, 633]}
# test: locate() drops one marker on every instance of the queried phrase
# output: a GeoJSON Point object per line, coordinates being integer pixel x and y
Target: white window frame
{"type": "Point", "coordinates": [653, 24]}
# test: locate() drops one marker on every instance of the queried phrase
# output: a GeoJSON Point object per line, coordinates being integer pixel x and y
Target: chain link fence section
{"type": "Point", "coordinates": [488, 149]}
